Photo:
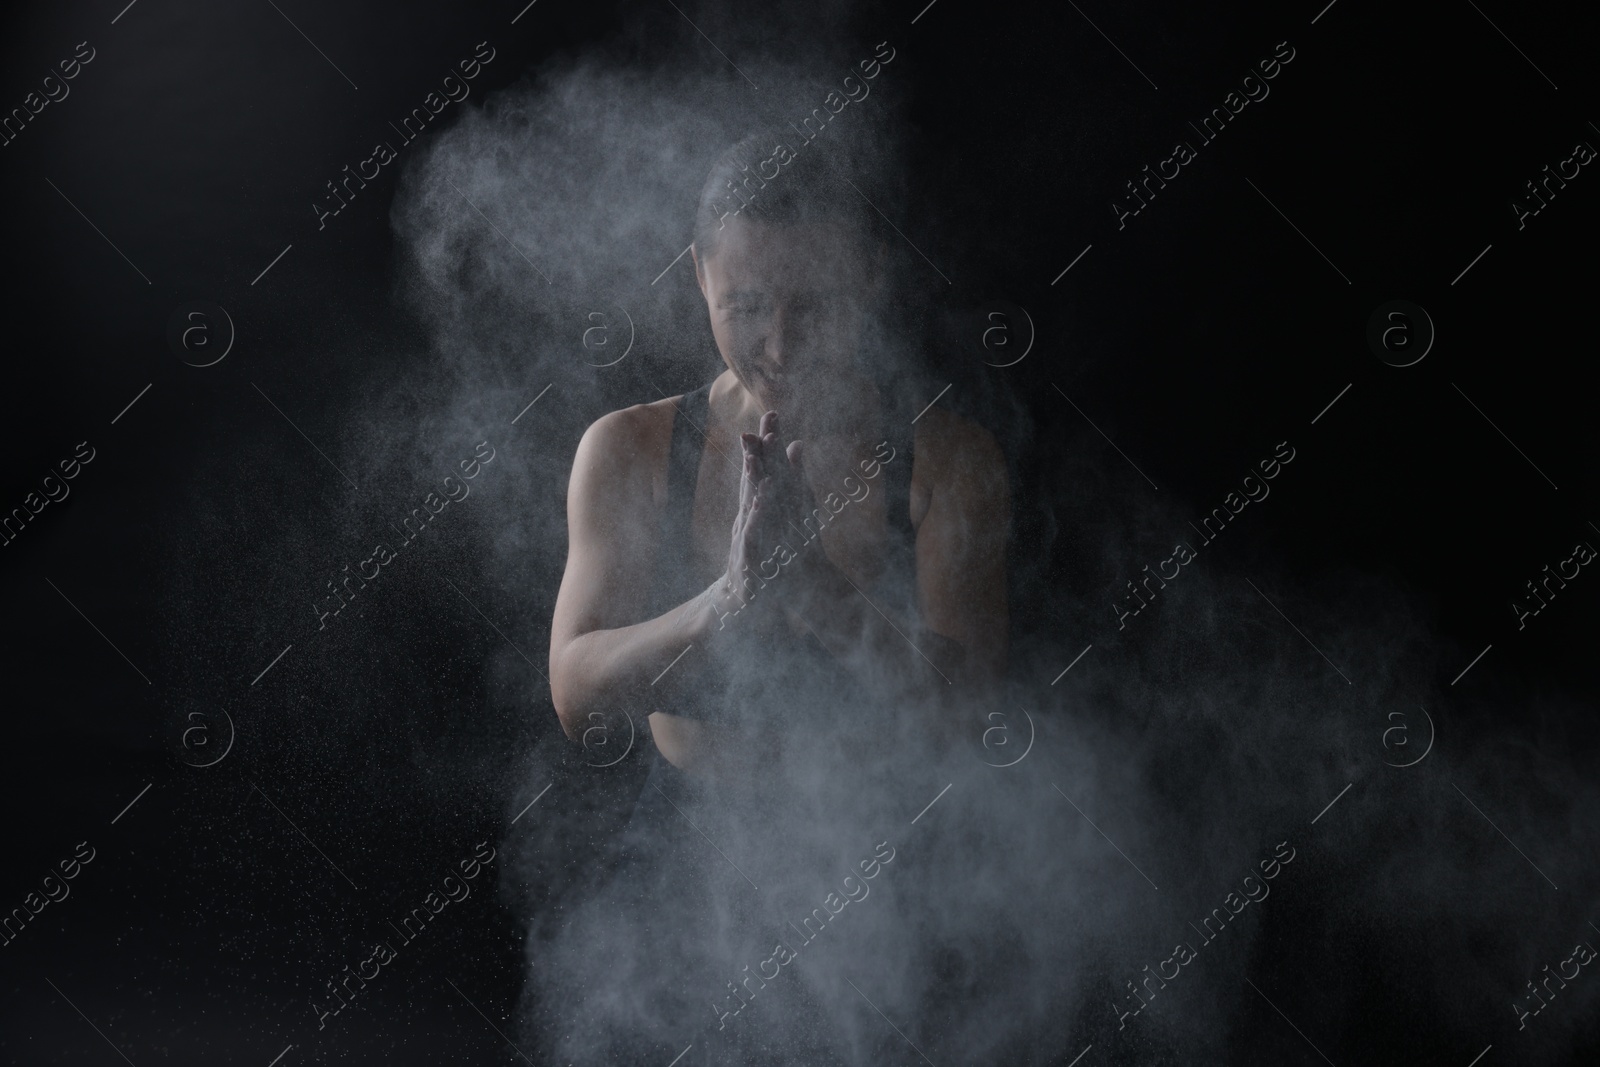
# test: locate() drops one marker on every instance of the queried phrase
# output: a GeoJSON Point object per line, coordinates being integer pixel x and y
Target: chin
{"type": "Point", "coordinates": [781, 402]}
{"type": "Point", "coordinates": [795, 409]}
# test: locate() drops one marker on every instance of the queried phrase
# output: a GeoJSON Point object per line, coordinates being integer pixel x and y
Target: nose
{"type": "Point", "coordinates": [780, 342]}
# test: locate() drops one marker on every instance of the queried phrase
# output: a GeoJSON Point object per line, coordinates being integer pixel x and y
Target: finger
{"type": "Point", "coordinates": [770, 433]}
{"type": "Point", "coordinates": [760, 459]}
{"type": "Point", "coordinates": [752, 525]}
{"type": "Point", "coordinates": [793, 473]}
{"type": "Point", "coordinates": [754, 446]}
{"type": "Point", "coordinates": [763, 495]}
{"type": "Point", "coordinates": [767, 503]}
{"type": "Point", "coordinates": [757, 479]}
{"type": "Point", "coordinates": [745, 480]}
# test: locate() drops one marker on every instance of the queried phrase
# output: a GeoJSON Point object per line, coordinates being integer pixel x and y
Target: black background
{"type": "Point", "coordinates": [1196, 337]}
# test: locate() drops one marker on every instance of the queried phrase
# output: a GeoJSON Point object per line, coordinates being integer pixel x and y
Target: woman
{"type": "Point", "coordinates": [866, 556]}
{"type": "Point", "coordinates": [655, 487]}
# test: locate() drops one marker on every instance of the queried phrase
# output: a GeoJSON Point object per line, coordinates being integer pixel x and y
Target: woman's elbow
{"type": "Point", "coordinates": [563, 696]}
{"type": "Point", "coordinates": [569, 723]}
{"type": "Point", "coordinates": [568, 718]}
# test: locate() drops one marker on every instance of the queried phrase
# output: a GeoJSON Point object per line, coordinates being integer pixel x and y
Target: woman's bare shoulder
{"type": "Point", "coordinates": [636, 424]}
{"type": "Point", "coordinates": [952, 448]}
{"type": "Point", "coordinates": [629, 445]}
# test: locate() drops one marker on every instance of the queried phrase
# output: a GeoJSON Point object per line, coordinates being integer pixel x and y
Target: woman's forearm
{"type": "Point", "coordinates": [606, 669]}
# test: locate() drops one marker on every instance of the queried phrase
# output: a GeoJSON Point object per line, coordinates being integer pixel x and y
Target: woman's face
{"type": "Point", "coordinates": [786, 304]}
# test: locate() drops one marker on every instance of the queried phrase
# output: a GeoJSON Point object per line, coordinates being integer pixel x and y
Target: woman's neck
{"type": "Point", "coordinates": [740, 406]}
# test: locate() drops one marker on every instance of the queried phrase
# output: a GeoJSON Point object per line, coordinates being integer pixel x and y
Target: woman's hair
{"type": "Point", "coordinates": [766, 178]}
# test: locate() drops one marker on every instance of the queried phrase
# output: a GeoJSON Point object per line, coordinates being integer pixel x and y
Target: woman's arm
{"type": "Point", "coordinates": [600, 658]}
{"type": "Point", "coordinates": [961, 549]}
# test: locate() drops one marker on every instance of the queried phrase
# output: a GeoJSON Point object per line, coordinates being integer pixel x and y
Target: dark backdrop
{"type": "Point", "coordinates": [1207, 329]}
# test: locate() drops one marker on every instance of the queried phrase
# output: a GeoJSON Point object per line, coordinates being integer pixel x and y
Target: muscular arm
{"type": "Point", "coordinates": [961, 553]}
{"type": "Point", "coordinates": [601, 658]}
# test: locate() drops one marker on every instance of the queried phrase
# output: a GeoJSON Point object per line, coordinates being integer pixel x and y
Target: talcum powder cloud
{"type": "Point", "coordinates": [1200, 741]}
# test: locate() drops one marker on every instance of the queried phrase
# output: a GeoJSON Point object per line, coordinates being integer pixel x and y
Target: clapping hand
{"type": "Point", "coordinates": [772, 504]}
